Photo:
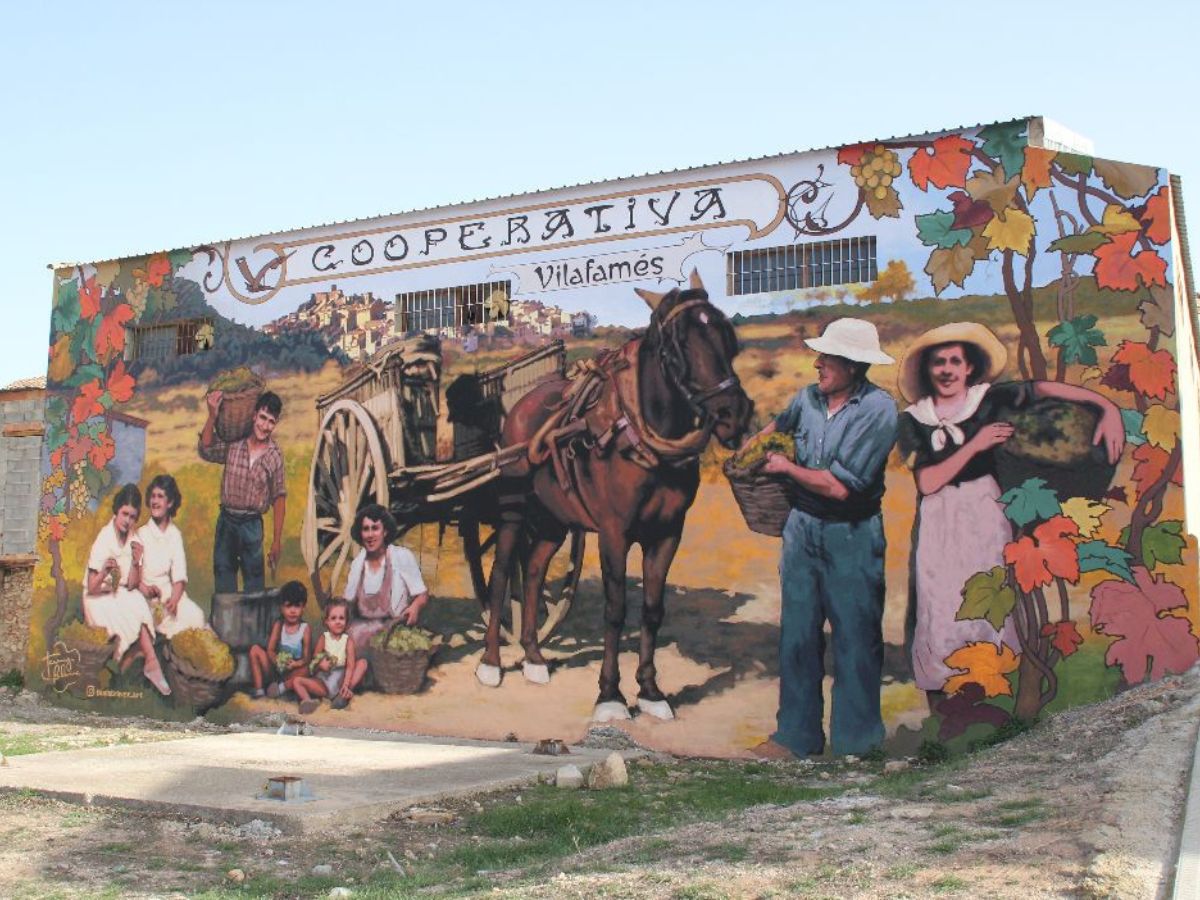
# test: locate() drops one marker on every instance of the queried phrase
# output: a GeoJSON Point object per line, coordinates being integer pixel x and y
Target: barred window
{"type": "Point", "coordinates": [796, 266]}
{"type": "Point", "coordinates": [453, 308]}
{"type": "Point", "coordinates": [181, 338]}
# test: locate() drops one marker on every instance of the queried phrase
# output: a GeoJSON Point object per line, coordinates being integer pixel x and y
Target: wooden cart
{"type": "Point", "coordinates": [377, 442]}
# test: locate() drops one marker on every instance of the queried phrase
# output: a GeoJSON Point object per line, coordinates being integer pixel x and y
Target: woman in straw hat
{"type": "Point", "coordinates": [948, 437]}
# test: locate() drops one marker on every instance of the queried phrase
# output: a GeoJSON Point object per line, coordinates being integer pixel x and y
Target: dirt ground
{"type": "Point", "coordinates": [1087, 804]}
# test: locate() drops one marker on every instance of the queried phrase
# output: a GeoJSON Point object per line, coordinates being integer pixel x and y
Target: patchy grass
{"type": "Point", "coordinates": [947, 883]}
{"type": "Point", "coordinates": [1015, 813]}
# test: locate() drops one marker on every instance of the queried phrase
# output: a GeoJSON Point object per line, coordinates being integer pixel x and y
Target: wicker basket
{"type": "Point", "coordinates": [235, 418]}
{"type": "Point", "coordinates": [765, 500]}
{"type": "Point", "coordinates": [399, 673]}
{"type": "Point", "coordinates": [92, 659]}
{"type": "Point", "coordinates": [190, 687]}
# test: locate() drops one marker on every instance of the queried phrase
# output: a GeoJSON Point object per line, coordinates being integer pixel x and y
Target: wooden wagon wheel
{"type": "Point", "coordinates": [348, 470]}
{"type": "Point", "coordinates": [557, 594]}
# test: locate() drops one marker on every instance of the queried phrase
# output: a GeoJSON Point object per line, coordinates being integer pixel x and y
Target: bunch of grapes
{"type": "Point", "coordinates": [316, 661]}
{"type": "Point", "coordinates": [77, 489]}
{"type": "Point", "coordinates": [875, 171]}
{"type": "Point", "coordinates": [235, 380]}
{"type": "Point", "coordinates": [403, 640]}
{"type": "Point", "coordinates": [283, 660]}
{"type": "Point", "coordinates": [78, 633]}
{"type": "Point", "coordinates": [159, 612]}
{"type": "Point", "coordinates": [203, 651]}
{"type": "Point", "coordinates": [755, 453]}
{"type": "Point", "coordinates": [1052, 432]}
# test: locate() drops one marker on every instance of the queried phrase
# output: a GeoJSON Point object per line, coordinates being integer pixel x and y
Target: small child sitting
{"type": "Point", "coordinates": [289, 646]}
{"type": "Point", "coordinates": [336, 669]}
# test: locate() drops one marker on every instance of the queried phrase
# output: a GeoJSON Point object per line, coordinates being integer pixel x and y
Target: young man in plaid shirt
{"type": "Point", "coordinates": [253, 482]}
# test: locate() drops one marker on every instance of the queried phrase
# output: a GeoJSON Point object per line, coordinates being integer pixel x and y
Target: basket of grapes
{"type": "Point", "coordinates": [95, 647]}
{"type": "Point", "coordinates": [765, 500]}
{"type": "Point", "coordinates": [1052, 440]}
{"type": "Point", "coordinates": [400, 657]}
{"type": "Point", "coordinates": [198, 666]}
{"type": "Point", "coordinates": [240, 389]}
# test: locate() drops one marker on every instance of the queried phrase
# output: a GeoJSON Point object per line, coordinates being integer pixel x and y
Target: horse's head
{"type": "Point", "coordinates": [696, 345]}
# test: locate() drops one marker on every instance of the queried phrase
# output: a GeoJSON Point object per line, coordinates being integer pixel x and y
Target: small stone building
{"type": "Point", "coordinates": [22, 425]}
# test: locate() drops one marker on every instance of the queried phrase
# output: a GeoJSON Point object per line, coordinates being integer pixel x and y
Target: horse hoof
{"type": "Point", "coordinates": [489, 676]}
{"type": "Point", "coordinates": [610, 711]}
{"type": "Point", "coordinates": [660, 709]}
{"type": "Point", "coordinates": [536, 673]}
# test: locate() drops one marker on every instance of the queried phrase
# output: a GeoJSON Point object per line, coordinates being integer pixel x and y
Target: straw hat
{"type": "Point", "coordinates": [981, 336]}
{"type": "Point", "coordinates": [854, 339]}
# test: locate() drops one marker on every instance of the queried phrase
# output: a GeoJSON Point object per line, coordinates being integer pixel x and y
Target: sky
{"type": "Point", "coordinates": [136, 127]}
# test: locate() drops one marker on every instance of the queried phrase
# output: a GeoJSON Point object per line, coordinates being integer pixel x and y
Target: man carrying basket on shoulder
{"type": "Point", "coordinates": [253, 482]}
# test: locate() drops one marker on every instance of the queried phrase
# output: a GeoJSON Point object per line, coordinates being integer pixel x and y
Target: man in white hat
{"type": "Point", "coordinates": [833, 545]}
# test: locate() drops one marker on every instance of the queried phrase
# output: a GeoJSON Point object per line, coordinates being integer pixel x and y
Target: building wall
{"type": "Point", "coordinates": [21, 429]}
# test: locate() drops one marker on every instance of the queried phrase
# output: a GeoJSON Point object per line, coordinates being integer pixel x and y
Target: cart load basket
{"type": "Point", "coordinates": [92, 655]}
{"type": "Point", "coordinates": [240, 389]}
{"type": "Point", "coordinates": [399, 671]}
{"type": "Point", "coordinates": [189, 686]}
{"type": "Point", "coordinates": [765, 500]}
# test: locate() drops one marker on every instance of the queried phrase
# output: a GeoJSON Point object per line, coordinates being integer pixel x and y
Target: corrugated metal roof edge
{"type": "Point", "coordinates": [582, 184]}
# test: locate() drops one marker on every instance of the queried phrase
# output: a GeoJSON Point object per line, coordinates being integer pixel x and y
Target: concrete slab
{"type": "Point", "coordinates": [355, 777]}
{"type": "Point", "coordinates": [1187, 865]}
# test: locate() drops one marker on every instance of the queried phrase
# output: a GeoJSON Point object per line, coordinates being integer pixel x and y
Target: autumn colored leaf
{"type": "Point", "coordinates": [1078, 338]}
{"type": "Point", "coordinates": [936, 229]}
{"type": "Point", "coordinates": [1085, 242]}
{"type": "Point", "coordinates": [110, 339]}
{"type": "Point", "coordinates": [965, 708]}
{"type": "Point", "coordinates": [158, 267]}
{"type": "Point", "coordinates": [1097, 556]}
{"type": "Point", "coordinates": [1029, 501]}
{"type": "Point", "coordinates": [1161, 427]}
{"type": "Point", "coordinates": [101, 451]}
{"type": "Point", "coordinates": [1157, 310]}
{"type": "Point", "coordinates": [119, 383]}
{"type": "Point", "coordinates": [1048, 554]}
{"type": "Point", "coordinates": [1090, 373]}
{"type": "Point", "coordinates": [1116, 494]}
{"type": "Point", "coordinates": [1151, 463]}
{"type": "Point", "coordinates": [1074, 164]}
{"type": "Point", "coordinates": [106, 272]}
{"type": "Point", "coordinates": [979, 247]}
{"type": "Point", "coordinates": [987, 595]}
{"type": "Point", "coordinates": [984, 664]}
{"type": "Point", "coordinates": [1012, 231]}
{"type": "Point", "coordinates": [1155, 216]}
{"type": "Point", "coordinates": [990, 187]}
{"type": "Point", "coordinates": [89, 299]}
{"type": "Point", "coordinates": [1116, 220]}
{"type": "Point", "coordinates": [1117, 377]}
{"type": "Point", "coordinates": [968, 213]}
{"type": "Point", "coordinates": [1085, 513]}
{"type": "Point", "coordinates": [1127, 180]}
{"type": "Point", "coordinates": [945, 164]}
{"type": "Point", "coordinates": [1064, 636]}
{"type": "Point", "coordinates": [1151, 372]}
{"type": "Point", "coordinates": [1006, 142]}
{"type": "Point", "coordinates": [1118, 268]}
{"type": "Point", "coordinates": [61, 363]}
{"type": "Point", "coordinates": [78, 449]}
{"type": "Point", "coordinates": [852, 155]}
{"type": "Point", "coordinates": [1035, 174]}
{"type": "Point", "coordinates": [57, 526]}
{"type": "Point", "coordinates": [946, 267]}
{"type": "Point", "coordinates": [887, 206]}
{"type": "Point", "coordinates": [1152, 642]}
{"type": "Point", "coordinates": [87, 402]}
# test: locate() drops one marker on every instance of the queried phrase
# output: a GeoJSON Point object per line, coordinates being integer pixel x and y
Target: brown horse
{"type": "Point", "coordinates": [616, 450]}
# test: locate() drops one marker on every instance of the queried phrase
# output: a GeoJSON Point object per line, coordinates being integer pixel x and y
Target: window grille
{"type": "Point", "coordinates": [452, 309]}
{"type": "Point", "coordinates": [150, 342]}
{"type": "Point", "coordinates": [797, 266]}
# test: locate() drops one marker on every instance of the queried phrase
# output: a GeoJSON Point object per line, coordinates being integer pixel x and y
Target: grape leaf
{"type": "Point", "coordinates": [1014, 230]}
{"type": "Point", "coordinates": [983, 664]}
{"type": "Point", "coordinates": [1048, 554]}
{"type": "Point", "coordinates": [89, 299]}
{"type": "Point", "coordinates": [1127, 180]}
{"type": "Point", "coordinates": [1132, 419]}
{"type": "Point", "coordinates": [61, 362]}
{"type": "Point", "coordinates": [1155, 216]}
{"type": "Point", "coordinates": [1117, 377]}
{"type": "Point", "coordinates": [1077, 338]}
{"type": "Point", "coordinates": [157, 269]}
{"type": "Point", "coordinates": [1075, 164]}
{"type": "Point", "coordinates": [1151, 372]}
{"type": "Point", "coordinates": [1117, 494]}
{"type": "Point", "coordinates": [1161, 542]}
{"type": "Point", "coordinates": [1161, 427]}
{"type": "Point", "coordinates": [90, 372]}
{"type": "Point", "coordinates": [179, 258]}
{"type": "Point", "coordinates": [946, 267]}
{"type": "Point", "coordinates": [1087, 242]}
{"type": "Point", "coordinates": [87, 402]}
{"type": "Point", "coordinates": [965, 708]}
{"type": "Point", "coordinates": [1116, 220]}
{"type": "Point", "coordinates": [1090, 373]}
{"type": "Point", "coordinates": [1097, 556]}
{"type": "Point", "coordinates": [992, 188]}
{"type": "Point", "coordinates": [1151, 463]}
{"type": "Point", "coordinates": [106, 273]}
{"type": "Point", "coordinates": [1085, 513]}
{"type": "Point", "coordinates": [936, 229]}
{"type": "Point", "coordinates": [1029, 501]}
{"type": "Point", "coordinates": [852, 154]}
{"type": "Point", "coordinates": [83, 340]}
{"type": "Point", "coordinates": [119, 383]}
{"type": "Point", "coordinates": [1064, 636]}
{"type": "Point", "coordinates": [66, 306]}
{"type": "Point", "coordinates": [1006, 142]}
{"type": "Point", "coordinates": [1035, 174]}
{"type": "Point", "coordinates": [987, 595]}
{"type": "Point", "coordinates": [1151, 641]}
{"type": "Point", "coordinates": [968, 213]}
{"type": "Point", "coordinates": [1118, 268]}
{"type": "Point", "coordinates": [1158, 310]}
{"type": "Point", "coordinates": [887, 206]}
{"type": "Point", "coordinates": [945, 164]}
{"type": "Point", "coordinates": [110, 338]}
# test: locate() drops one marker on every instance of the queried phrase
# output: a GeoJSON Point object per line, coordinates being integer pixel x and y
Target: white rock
{"type": "Point", "coordinates": [236, 875]}
{"type": "Point", "coordinates": [322, 869]}
{"type": "Point", "coordinates": [568, 777]}
{"type": "Point", "coordinates": [340, 892]}
{"type": "Point", "coordinates": [895, 765]}
{"type": "Point", "coordinates": [608, 774]}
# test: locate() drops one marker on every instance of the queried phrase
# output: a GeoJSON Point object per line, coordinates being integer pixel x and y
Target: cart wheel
{"type": "Point", "coordinates": [348, 470]}
{"type": "Point", "coordinates": [479, 545]}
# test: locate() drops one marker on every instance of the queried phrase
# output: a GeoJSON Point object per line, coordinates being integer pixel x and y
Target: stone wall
{"type": "Point", "coordinates": [22, 425]}
{"type": "Point", "coordinates": [16, 602]}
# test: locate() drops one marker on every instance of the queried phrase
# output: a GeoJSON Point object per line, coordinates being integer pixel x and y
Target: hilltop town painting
{"type": "Point", "coordinates": [873, 446]}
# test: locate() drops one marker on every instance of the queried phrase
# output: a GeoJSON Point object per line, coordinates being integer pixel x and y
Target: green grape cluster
{"type": "Point", "coordinates": [316, 661]}
{"type": "Point", "coordinates": [203, 651]}
{"type": "Point", "coordinates": [403, 640]}
{"type": "Point", "coordinates": [77, 489]}
{"type": "Point", "coordinates": [235, 380]}
{"type": "Point", "coordinates": [755, 453]}
{"type": "Point", "coordinates": [875, 172]}
{"type": "Point", "coordinates": [79, 633]}
{"type": "Point", "coordinates": [283, 660]}
{"type": "Point", "coordinates": [1052, 432]}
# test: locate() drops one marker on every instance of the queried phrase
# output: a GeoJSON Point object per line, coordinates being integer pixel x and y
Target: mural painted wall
{"type": "Point", "coordinates": [543, 397]}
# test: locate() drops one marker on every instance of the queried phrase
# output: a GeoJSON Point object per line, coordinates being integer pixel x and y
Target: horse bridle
{"type": "Point", "coordinates": [675, 361]}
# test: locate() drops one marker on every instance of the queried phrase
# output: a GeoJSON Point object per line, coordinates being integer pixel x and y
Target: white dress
{"type": "Point", "coordinates": [164, 563]}
{"type": "Point", "coordinates": [379, 596]}
{"type": "Point", "coordinates": [122, 612]}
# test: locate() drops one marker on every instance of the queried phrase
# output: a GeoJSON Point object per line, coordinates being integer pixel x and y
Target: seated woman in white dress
{"type": "Point", "coordinates": [164, 565]}
{"type": "Point", "coordinates": [111, 599]}
{"type": "Point", "coordinates": [385, 583]}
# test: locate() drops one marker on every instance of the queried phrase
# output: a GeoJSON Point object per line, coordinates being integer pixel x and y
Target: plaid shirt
{"type": "Point", "coordinates": [246, 487]}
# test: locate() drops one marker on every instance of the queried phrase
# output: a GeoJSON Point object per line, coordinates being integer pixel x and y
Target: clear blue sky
{"type": "Point", "coordinates": [134, 127]}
